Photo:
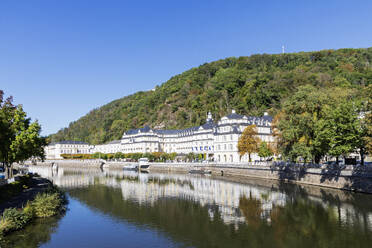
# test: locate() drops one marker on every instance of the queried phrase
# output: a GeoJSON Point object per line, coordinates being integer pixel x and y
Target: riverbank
{"type": "Point", "coordinates": [38, 199]}
{"type": "Point", "coordinates": [358, 179]}
{"type": "Point", "coordinates": [351, 178]}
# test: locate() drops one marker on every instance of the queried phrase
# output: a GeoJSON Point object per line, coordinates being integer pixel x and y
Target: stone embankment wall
{"type": "Point", "coordinates": [355, 178]}
{"type": "Point", "coordinates": [347, 177]}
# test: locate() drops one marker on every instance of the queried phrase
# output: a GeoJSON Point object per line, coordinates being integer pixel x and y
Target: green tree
{"type": "Point", "coordinates": [367, 120]}
{"type": "Point", "coordinates": [248, 142]}
{"type": "Point", "coordinates": [264, 150]}
{"type": "Point", "coordinates": [19, 137]}
{"type": "Point", "coordinates": [346, 132]}
{"type": "Point", "coordinates": [190, 156]}
{"type": "Point", "coordinates": [300, 121]}
{"type": "Point", "coordinates": [172, 156]}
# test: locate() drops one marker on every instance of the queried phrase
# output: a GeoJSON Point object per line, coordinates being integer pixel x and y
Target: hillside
{"type": "Point", "coordinates": [251, 85]}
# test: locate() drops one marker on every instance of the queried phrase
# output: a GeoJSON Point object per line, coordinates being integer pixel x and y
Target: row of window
{"type": "Point", "coordinates": [224, 147]}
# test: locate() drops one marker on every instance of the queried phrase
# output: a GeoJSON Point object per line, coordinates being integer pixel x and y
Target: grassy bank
{"type": "Point", "coordinates": [46, 204]}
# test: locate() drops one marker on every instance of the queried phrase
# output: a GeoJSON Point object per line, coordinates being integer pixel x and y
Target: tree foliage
{"type": "Point", "coordinates": [251, 85]}
{"type": "Point", "coordinates": [368, 119]}
{"type": "Point", "coordinates": [316, 122]}
{"type": "Point", "coordinates": [264, 150]}
{"type": "Point", "coordinates": [248, 142]}
{"type": "Point", "coordinates": [19, 137]}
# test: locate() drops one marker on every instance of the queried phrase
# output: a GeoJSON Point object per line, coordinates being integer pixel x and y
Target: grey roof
{"type": "Point", "coordinates": [165, 131]}
{"type": "Point", "coordinates": [208, 125]}
{"type": "Point", "coordinates": [267, 118]}
{"type": "Point", "coordinates": [145, 129]}
{"type": "Point", "coordinates": [69, 142]}
{"type": "Point", "coordinates": [234, 116]}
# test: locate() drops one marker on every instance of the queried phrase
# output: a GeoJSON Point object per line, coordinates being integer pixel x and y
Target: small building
{"type": "Point", "coordinates": [55, 149]}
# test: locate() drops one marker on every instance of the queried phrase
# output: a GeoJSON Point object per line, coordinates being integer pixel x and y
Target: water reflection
{"type": "Point", "coordinates": [204, 211]}
{"type": "Point", "coordinates": [34, 235]}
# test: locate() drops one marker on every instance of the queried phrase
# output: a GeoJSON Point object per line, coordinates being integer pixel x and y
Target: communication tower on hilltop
{"type": "Point", "coordinates": [283, 51]}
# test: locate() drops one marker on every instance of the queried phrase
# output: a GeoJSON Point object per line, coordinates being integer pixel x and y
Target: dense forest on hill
{"type": "Point", "coordinates": [250, 85]}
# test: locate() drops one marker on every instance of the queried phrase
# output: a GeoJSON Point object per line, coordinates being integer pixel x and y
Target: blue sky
{"type": "Point", "coordinates": [61, 59]}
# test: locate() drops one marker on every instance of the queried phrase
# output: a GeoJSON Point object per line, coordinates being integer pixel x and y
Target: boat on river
{"type": "Point", "coordinates": [143, 163]}
{"type": "Point", "coordinates": [130, 167]}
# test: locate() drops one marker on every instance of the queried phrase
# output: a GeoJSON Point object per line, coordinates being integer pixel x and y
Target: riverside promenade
{"type": "Point", "coordinates": [352, 178]}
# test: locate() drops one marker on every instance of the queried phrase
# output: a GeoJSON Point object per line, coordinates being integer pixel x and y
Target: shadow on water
{"type": "Point", "coordinates": [196, 211]}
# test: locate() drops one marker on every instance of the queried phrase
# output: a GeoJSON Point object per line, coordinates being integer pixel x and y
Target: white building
{"type": "Point", "coordinates": [214, 140]}
{"type": "Point", "coordinates": [183, 141]}
{"type": "Point", "coordinates": [228, 131]}
{"type": "Point", "coordinates": [219, 140]}
{"type": "Point", "coordinates": [55, 149]}
{"type": "Point", "coordinates": [110, 147]}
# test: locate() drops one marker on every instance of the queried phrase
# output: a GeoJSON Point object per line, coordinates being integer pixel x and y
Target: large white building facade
{"type": "Point", "coordinates": [217, 141]}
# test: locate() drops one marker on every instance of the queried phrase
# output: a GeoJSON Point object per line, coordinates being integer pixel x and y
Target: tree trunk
{"type": "Point", "coordinates": [361, 156]}
{"type": "Point", "coordinates": [249, 157]}
{"type": "Point", "coordinates": [8, 170]}
{"type": "Point", "coordinates": [337, 160]}
{"type": "Point", "coordinates": [317, 159]}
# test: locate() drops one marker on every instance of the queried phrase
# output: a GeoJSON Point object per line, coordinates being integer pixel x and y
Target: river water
{"type": "Point", "coordinates": [115, 208]}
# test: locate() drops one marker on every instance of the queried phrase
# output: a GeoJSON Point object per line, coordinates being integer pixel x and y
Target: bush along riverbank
{"type": "Point", "coordinates": [48, 203]}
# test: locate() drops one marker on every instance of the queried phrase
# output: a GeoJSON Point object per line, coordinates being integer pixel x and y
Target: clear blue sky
{"type": "Point", "coordinates": [61, 59]}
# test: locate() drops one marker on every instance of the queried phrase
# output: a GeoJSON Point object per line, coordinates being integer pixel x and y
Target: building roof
{"type": "Point", "coordinates": [208, 125]}
{"type": "Point", "coordinates": [234, 116]}
{"type": "Point", "coordinates": [145, 129]}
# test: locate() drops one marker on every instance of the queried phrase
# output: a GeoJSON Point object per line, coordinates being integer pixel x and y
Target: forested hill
{"type": "Point", "coordinates": [251, 85]}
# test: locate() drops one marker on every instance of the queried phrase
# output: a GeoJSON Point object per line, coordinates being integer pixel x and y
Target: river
{"type": "Point", "coordinates": [115, 208]}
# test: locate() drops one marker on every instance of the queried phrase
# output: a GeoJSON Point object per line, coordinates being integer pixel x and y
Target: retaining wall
{"type": "Point", "coordinates": [356, 178]}
{"type": "Point", "coordinates": [347, 178]}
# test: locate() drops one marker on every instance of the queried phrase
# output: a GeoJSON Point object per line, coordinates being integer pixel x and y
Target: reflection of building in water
{"type": "Point", "coordinates": [211, 193]}
{"type": "Point", "coordinates": [206, 191]}
{"type": "Point", "coordinates": [65, 180]}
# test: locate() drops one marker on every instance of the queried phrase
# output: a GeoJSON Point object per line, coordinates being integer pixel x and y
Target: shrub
{"type": "Point", "coordinates": [13, 219]}
{"type": "Point", "coordinates": [5, 226]}
{"type": "Point", "coordinates": [29, 211]}
{"type": "Point", "coordinates": [49, 203]}
{"type": "Point", "coordinates": [46, 204]}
